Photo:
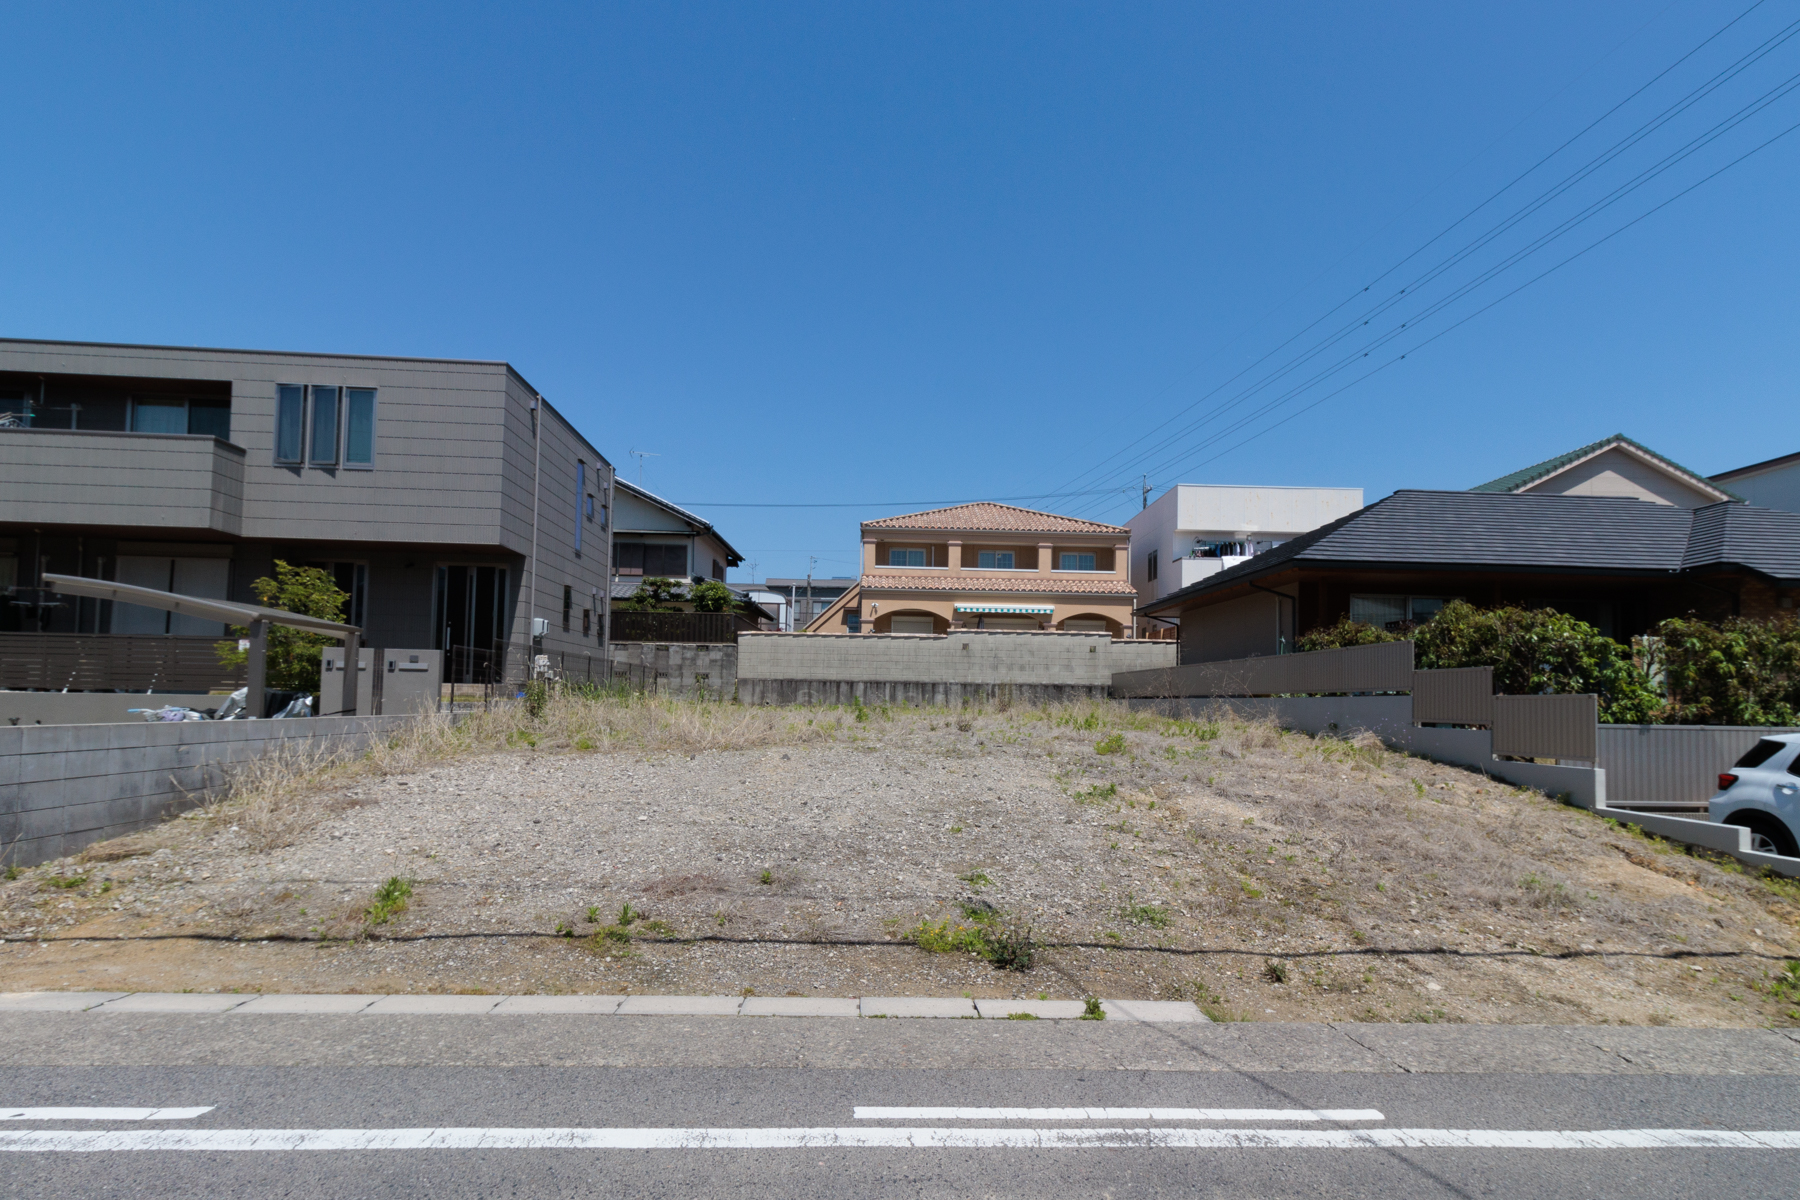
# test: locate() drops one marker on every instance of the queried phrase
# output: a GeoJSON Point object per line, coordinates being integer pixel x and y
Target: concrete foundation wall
{"type": "Point", "coordinates": [972, 656]}
{"type": "Point", "coordinates": [63, 787]}
{"type": "Point", "coordinates": [91, 708]}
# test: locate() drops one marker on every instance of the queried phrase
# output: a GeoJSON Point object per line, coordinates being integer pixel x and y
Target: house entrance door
{"type": "Point", "coordinates": [471, 618]}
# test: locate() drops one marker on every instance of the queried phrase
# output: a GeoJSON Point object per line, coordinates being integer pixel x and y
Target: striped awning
{"type": "Point", "coordinates": [1031, 610]}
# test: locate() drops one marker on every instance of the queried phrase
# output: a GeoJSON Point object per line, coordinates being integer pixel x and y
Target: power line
{"type": "Point", "coordinates": [1471, 247]}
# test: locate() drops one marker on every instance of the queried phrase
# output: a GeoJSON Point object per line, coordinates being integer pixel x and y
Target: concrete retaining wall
{"type": "Point", "coordinates": [91, 708]}
{"type": "Point", "coordinates": [65, 786]}
{"type": "Point", "coordinates": [1727, 839]}
{"type": "Point", "coordinates": [1390, 719]}
{"type": "Point", "coordinates": [963, 656]}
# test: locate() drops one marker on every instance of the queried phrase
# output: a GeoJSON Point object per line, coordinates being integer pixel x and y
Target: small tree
{"type": "Point", "coordinates": [293, 658]}
{"type": "Point", "coordinates": [712, 597]}
{"type": "Point", "coordinates": [655, 594]}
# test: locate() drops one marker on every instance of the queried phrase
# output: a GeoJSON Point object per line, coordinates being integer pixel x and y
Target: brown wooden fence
{"type": "Point", "coordinates": [677, 627]}
{"type": "Point", "coordinates": [1459, 696]}
{"type": "Point", "coordinates": [114, 662]}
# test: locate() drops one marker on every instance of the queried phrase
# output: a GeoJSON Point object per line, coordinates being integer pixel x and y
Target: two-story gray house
{"type": "Point", "coordinates": [447, 497]}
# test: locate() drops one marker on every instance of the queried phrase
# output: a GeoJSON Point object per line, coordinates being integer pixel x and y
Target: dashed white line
{"type": "Point", "coordinates": [102, 1114]}
{"type": "Point", "coordinates": [873, 1113]}
{"type": "Point", "coordinates": [877, 1137]}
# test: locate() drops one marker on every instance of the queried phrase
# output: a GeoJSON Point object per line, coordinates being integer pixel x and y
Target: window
{"type": "Point", "coordinates": [1076, 562]}
{"type": "Point", "coordinates": [159, 416]}
{"type": "Point", "coordinates": [580, 492]}
{"type": "Point", "coordinates": [906, 558]}
{"type": "Point", "coordinates": [1150, 565]}
{"type": "Point", "coordinates": [718, 570]}
{"type": "Point", "coordinates": [653, 558]}
{"type": "Point", "coordinates": [324, 427]}
{"type": "Point", "coordinates": [290, 424]}
{"type": "Point", "coordinates": [1391, 612]}
{"type": "Point", "coordinates": [994, 560]}
{"type": "Point", "coordinates": [359, 427]}
{"type": "Point", "coordinates": [587, 622]}
{"type": "Point", "coordinates": [1760, 753]}
{"type": "Point", "coordinates": [568, 605]}
{"type": "Point", "coordinates": [590, 508]}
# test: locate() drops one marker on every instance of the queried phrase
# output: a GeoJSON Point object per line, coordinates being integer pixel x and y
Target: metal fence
{"type": "Point", "coordinates": [1671, 766]}
{"type": "Point", "coordinates": [1559, 727]}
{"type": "Point", "coordinates": [1460, 696]}
{"type": "Point", "coordinates": [114, 662]}
{"type": "Point", "coordinates": [1383, 668]}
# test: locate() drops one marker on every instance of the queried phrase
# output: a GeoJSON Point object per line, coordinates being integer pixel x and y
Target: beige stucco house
{"type": "Point", "coordinates": [987, 566]}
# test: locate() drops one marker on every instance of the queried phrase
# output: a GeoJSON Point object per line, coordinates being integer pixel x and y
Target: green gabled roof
{"type": "Point", "coordinates": [1519, 480]}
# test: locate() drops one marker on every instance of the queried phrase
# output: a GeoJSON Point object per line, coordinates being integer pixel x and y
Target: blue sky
{"type": "Point", "coordinates": [876, 254]}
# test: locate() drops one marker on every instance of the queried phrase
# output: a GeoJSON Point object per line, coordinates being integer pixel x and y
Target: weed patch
{"type": "Point", "coordinates": [1110, 745]}
{"type": "Point", "coordinates": [390, 901]}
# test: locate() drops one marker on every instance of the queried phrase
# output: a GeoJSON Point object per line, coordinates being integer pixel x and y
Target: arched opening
{"type": "Point", "coordinates": [1091, 623]}
{"type": "Point", "coordinates": [911, 620]}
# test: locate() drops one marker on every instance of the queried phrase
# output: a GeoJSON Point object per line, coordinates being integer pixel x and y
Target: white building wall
{"type": "Point", "coordinates": [1188, 511]}
{"type": "Point", "coordinates": [1777, 487]}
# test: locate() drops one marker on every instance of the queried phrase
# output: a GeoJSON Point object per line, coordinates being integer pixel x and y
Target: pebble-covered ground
{"type": "Point", "coordinates": [1262, 875]}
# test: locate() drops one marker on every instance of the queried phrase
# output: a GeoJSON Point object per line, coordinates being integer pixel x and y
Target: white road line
{"type": "Point", "coordinates": [870, 1113]}
{"type": "Point", "coordinates": [875, 1137]}
{"type": "Point", "coordinates": [102, 1114]}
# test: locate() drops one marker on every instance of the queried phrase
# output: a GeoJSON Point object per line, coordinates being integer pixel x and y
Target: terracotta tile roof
{"type": "Point", "coordinates": [1053, 585]}
{"type": "Point", "coordinates": [992, 518]}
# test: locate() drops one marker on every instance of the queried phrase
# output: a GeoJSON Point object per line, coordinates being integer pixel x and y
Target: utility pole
{"type": "Point", "coordinates": [1146, 503]}
{"type": "Point", "coordinates": [811, 562]}
{"type": "Point", "coordinates": [537, 459]}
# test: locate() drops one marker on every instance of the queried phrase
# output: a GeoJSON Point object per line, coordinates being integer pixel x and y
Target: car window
{"type": "Point", "coordinates": [1761, 753]}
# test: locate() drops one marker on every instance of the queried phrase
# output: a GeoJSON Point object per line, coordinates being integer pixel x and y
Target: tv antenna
{"type": "Point", "coordinates": [641, 455]}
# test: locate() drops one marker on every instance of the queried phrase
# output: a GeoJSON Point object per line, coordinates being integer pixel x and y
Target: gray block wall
{"type": "Point", "coordinates": [63, 787]}
{"type": "Point", "coordinates": [973, 656]}
{"type": "Point", "coordinates": [684, 668]}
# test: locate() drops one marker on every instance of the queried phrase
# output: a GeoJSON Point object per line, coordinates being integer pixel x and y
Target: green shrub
{"type": "Point", "coordinates": [1738, 672]}
{"type": "Point", "coordinates": [1345, 633]}
{"type": "Point", "coordinates": [293, 654]}
{"type": "Point", "coordinates": [1538, 651]}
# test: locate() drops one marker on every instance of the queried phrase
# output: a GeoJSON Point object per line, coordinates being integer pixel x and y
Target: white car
{"type": "Point", "coordinates": [1762, 793]}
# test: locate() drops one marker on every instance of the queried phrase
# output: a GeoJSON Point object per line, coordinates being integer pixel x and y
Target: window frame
{"type": "Point", "coordinates": [299, 458]}
{"type": "Point", "coordinates": [344, 421]}
{"type": "Point", "coordinates": [1063, 557]}
{"type": "Point", "coordinates": [918, 550]}
{"type": "Point", "coordinates": [1150, 565]}
{"type": "Point", "coordinates": [1012, 557]}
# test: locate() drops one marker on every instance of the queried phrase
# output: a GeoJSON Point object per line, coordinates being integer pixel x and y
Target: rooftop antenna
{"type": "Point", "coordinates": [641, 455]}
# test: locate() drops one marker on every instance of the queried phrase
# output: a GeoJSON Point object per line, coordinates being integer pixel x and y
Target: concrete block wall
{"type": "Point", "coordinates": [963, 656]}
{"type": "Point", "coordinates": [935, 695]}
{"type": "Point", "coordinates": [63, 787]}
{"type": "Point", "coordinates": [684, 668]}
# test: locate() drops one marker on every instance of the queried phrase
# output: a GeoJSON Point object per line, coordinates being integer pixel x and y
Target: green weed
{"type": "Point", "coordinates": [1021, 1016]}
{"type": "Point", "coordinates": [1153, 915]}
{"type": "Point", "coordinates": [66, 881]}
{"type": "Point", "coordinates": [1091, 1010]}
{"type": "Point", "coordinates": [390, 901]}
{"type": "Point", "coordinates": [1110, 745]}
{"type": "Point", "coordinates": [977, 879]}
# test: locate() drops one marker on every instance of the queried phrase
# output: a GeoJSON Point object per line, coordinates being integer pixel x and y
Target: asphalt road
{"type": "Point", "coordinates": [545, 1107]}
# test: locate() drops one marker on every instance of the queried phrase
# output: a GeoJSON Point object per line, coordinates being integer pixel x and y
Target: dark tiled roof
{"type": "Point", "coordinates": [1550, 466]}
{"type": "Point", "coordinates": [1503, 529]}
{"type": "Point", "coordinates": [1762, 539]}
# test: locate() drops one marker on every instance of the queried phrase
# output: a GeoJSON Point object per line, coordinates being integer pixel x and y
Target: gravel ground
{"type": "Point", "coordinates": [1263, 875]}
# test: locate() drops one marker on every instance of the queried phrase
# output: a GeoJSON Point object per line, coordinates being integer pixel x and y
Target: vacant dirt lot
{"type": "Point", "coordinates": [1266, 876]}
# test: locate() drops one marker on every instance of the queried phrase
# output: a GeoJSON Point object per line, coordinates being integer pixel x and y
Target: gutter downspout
{"type": "Point", "coordinates": [537, 458]}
